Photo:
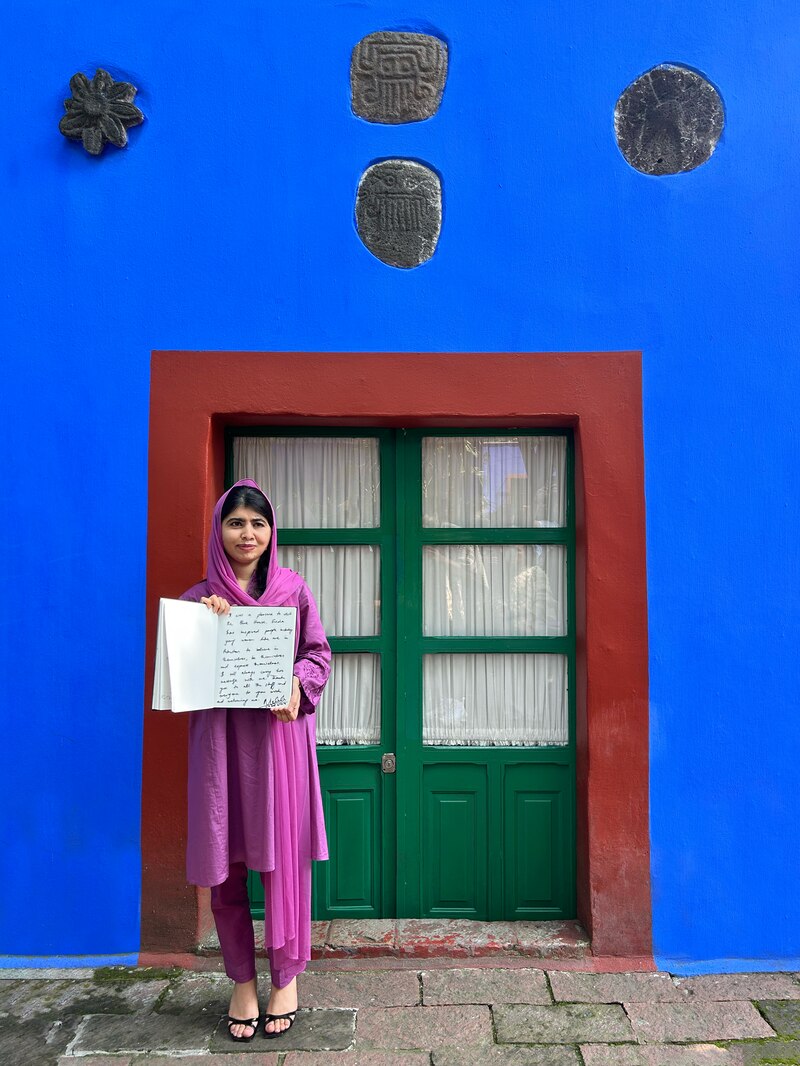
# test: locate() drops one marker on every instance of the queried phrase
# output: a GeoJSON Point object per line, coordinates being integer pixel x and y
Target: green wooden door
{"type": "Point", "coordinates": [444, 565]}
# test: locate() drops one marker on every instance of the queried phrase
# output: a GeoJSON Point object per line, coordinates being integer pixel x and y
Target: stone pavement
{"type": "Point", "coordinates": [393, 1012]}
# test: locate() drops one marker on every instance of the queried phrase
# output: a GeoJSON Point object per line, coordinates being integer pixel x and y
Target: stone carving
{"type": "Point", "coordinates": [399, 211]}
{"type": "Point", "coordinates": [99, 110]}
{"type": "Point", "coordinates": [397, 77]}
{"type": "Point", "coordinates": [668, 121]}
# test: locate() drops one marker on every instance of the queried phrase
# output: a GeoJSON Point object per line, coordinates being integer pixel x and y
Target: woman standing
{"type": "Point", "coordinates": [254, 795]}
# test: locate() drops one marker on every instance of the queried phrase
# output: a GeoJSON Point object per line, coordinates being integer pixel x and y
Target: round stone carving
{"type": "Point", "coordinates": [668, 121]}
{"type": "Point", "coordinates": [399, 211]}
{"type": "Point", "coordinates": [99, 111]}
{"type": "Point", "coordinates": [397, 77]}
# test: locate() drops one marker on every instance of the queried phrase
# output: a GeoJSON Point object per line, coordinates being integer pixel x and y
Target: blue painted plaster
{"type": "Point", "coordinates": [78, 962]}
{"type": "Point", "coordinates": [228, 223]}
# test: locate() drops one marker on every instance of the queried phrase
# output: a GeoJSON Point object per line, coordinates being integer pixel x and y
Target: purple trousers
{"type": "Point", "coordinates": [231, 908]}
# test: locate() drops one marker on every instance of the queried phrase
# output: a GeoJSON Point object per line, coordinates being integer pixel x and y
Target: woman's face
{"type": "Point", "coordinates": [245, 535]}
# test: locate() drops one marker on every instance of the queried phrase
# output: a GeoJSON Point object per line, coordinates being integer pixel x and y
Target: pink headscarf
{"type": "Point", "coordinates": [282, 583]}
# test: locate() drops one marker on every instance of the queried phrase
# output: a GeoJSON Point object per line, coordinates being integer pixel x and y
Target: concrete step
{"type": "Point", "coordinates": [427, 938]}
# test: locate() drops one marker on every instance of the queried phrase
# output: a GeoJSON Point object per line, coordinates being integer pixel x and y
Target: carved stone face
{"type": "Point", "coordinates": [399, 211]}
{"type": "Point", "coordinates": [668, 121]}
{"type": "Point", "coordinates": [397, 77]}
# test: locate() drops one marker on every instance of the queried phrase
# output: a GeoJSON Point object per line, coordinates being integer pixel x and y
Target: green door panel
{"type": "Point", "coordinates": [537, 865]}
{"type": "Point", "coordinates": [454, 841]}
{"type": "Point", "coordinates": [349, 882]}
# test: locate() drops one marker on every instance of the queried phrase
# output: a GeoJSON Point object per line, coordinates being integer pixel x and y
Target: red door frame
{"type": "Point", "coordinates": [194, 395]}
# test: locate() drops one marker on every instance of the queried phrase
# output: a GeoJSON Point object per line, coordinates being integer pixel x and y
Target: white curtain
{"type": "Point", "coordinates": [345, 581]}
{"type": "Point", "coordinates": [350, 709]}
{"type": "Point", "coordinates": [314, 482]}
{"type": "Point", "coordinates": [494, 590]}
{"type": "Point", "coordinates": [495, 699]}
{"type": "Point", "coordinates": [494, 482]}
{"type": "Point", "coordinates": [330, 483]}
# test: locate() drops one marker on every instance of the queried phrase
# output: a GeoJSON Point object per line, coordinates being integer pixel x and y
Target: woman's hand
{"type": "Point", "coordinates": [216, 604]}
{"type": "Point", "coordinates": [291, 711]}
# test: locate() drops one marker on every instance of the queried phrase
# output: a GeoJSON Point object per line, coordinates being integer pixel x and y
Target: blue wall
{"type": "Point", "coordinates": [228, 224]}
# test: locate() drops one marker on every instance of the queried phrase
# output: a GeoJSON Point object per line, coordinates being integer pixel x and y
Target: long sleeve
{"type": "Point", "coordinates": [313, 659]}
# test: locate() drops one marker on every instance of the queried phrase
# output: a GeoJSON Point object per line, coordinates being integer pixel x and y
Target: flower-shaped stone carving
{"type": "Point", "coordinates": [100, 110]}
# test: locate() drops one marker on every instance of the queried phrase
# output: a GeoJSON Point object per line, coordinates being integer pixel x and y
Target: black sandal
{"type": "Point", "coordinates": [251, 1022]}
{"type": "Point", "coordinates": [278, 1017]}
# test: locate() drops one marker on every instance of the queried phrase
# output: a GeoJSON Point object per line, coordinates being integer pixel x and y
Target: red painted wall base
{"type": "Point", "coordinates": [194, 395]}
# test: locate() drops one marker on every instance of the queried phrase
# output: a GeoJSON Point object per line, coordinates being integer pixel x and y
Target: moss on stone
{"type": "Point", "coordinates": [120, 974]}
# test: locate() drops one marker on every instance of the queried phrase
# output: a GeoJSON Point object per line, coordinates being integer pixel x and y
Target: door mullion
{"type": "Point", "coordinates": [389, 807]}
{"type": "Point", "coordinates": [409, 675]}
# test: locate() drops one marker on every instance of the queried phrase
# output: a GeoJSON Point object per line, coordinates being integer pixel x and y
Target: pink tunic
{"type": "Point", "coordinates": [254, 793]}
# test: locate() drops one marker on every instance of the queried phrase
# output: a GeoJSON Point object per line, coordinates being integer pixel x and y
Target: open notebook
{"type": "Point", "coordinates": [241, 659]}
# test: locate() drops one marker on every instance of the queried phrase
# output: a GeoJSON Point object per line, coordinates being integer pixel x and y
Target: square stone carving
{"type": "Point", "coordinates": [399, 211]}
{"type": "Point", "coordinates": [397, 77]}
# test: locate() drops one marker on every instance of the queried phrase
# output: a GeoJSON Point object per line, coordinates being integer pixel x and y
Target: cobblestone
{"type": "Point", "coordinates": [731, 986]}
{"type": "Point", "coordinates": [783, 1016]}
{"type": "Point", "coordinates": [484, 986]}
{"type": "Point", "coordinates": [566, 1023]}
{"type": "Point", "coordinates": [658, 1055]}
{"type": "Point", "coordinates": [573, 987]}
{"type": "Point", "coordinates": [423, 1027]}
{"type": "Point", "coordinates": [359, 989]}
{"type": "Point", "coordinates": [550, 1055]}
{"type": "Point", "coordinates": [357, 1058]}
{"type": "Point", "coordinates": [658, 1023]}
{"type": "Point", "coordinates": [129, 1033]}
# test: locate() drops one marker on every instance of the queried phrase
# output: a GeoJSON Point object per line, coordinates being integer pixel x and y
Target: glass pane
{"type": "Point", "coordinates": [345, 581]}
{"type": "Point", "coordinates": [494, 699]}
{"type": "Point", "coordinates": [314, 482]}
{"type": "Point", "coordinates": [494, 482]}
{"type": "Point", "coordinates": [494, 590]}
{"type": "Point", "coordinates": [350, 709]}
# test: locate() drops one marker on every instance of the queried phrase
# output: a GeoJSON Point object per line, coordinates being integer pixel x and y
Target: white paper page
{"type": "Point", "coordinates": [191, 632]}
{"type": "Point", "coordinates": [256, 657]}
{"type": "Point", "coordinates": [162, 694]}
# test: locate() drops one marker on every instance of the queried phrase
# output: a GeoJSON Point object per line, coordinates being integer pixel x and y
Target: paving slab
{"type": "Point", "coordinates": [423, 1027]}
{"type": "Point", "coordinates": [197, 994]}
{"type": "Point", "coordinates": [359, 989]}
{"type": "Point", "coordinates": [254, 1056]}
{"type": "Point", "coordinates": [484, 986]}
{"type": "Point", "coordinates": [731, 986]}
{"type": "Point", "coordinates": [313, 1030]}
{"type": "Point", "coordinates": [545, 1055]}
{"type": "Point", "coordinates": [565, 1023]}
{"type": "Point", "coordinates": [51, 973]}
{"type": "Point", "coordinates": [768, 1052]}
{"type": "Point", "coordinates": [658, 1055]}
{"type": "Point", "coordinates": [103, 1060]}
{"type": "Point", "coordinates": [131, 1033]}
{"type": "Point", "coordinates": [38, 1042]}
{"type": "Point", "coordinates": [657, 1023]}
{"type": "Point", "coordinates": [25, 1000]}
{"type": "Point", "coordinates": [357, 1058]}
{"type": "Point", "coordinates": [783, 1016]}
{"type": "Point", "coordinates": [368, 938]}
{"type": "Point", "coordinates": [553, 940]}
{"type": "Point", "coordinates": [571, 987]}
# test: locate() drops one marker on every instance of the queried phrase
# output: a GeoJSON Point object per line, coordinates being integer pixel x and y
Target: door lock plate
{"type": "Point", "coordinates": [388, 762]}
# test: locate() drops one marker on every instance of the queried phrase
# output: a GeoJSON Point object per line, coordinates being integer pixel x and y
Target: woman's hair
{"type": "Point", "coordinates": [246, 496]}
